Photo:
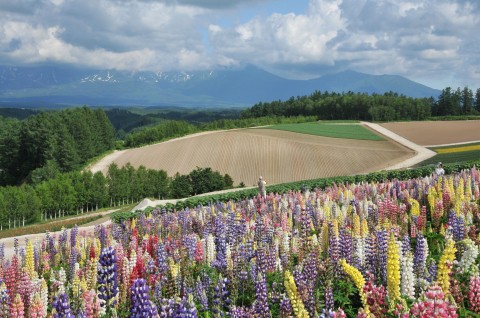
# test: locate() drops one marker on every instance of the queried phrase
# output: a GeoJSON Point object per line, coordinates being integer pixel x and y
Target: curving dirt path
{"type": "Point", "coordinates": [421, 153]}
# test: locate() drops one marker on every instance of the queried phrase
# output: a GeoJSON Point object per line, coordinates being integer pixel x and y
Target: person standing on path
{"type": "Point", "coordinates": [439, 171]}
{"type": "Point", "coordinates": [261, 187]}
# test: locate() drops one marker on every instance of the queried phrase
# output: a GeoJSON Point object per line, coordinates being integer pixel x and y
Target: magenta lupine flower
{"type": "Point", "coordinates": [474, 294]}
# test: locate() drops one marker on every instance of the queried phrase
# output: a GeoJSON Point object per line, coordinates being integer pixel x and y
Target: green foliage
{"type": "Point", "coordinates": [456, 157]}
{"type": "Point", "coordinates": [346, 296]}
{"type": "Point", "coordinates": [347, 106]}
{"type": "Point", "coordinates": [352, 131]}
{"type": "Point", "coordinates": [68, 138]}
{"type": "Point", "coordinates": [164, 131]}
{"type": "Point", "coordinates": [181, 186]}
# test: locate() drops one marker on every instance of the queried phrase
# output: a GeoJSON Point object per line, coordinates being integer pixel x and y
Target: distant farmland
{"type": "Point", "coordinates": [429, 133]}
{"type": "Point", "coordinates": [279, 156]}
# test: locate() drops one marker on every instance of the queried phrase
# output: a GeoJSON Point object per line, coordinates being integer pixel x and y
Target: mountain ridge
{"type": "Point", "coordinates": [229, 87]}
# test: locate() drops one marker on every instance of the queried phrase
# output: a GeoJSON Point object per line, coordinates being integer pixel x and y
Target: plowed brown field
{"type": "Point", "coordinates": [437, 132]}
{"type": "Point", "coordinates": [279, 156]}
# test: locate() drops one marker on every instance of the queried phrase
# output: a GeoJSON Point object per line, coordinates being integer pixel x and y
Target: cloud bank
{"type": "Point", "coordinates": [435, 42]}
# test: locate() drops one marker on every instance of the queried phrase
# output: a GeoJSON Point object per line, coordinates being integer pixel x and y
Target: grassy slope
{"type": "Point", "coordinates": [348, 131]}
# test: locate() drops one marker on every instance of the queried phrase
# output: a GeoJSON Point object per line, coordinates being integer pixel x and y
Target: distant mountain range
{"type": "Point", "coordinates": [63, 85]}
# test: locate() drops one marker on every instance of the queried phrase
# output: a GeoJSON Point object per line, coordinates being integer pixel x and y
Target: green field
{"type": "Point", "coordinates": [348, 131]}
{"type": "Point", "coordinates": [453, 157]}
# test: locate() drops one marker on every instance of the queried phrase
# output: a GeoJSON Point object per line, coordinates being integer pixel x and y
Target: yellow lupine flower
{"type": "Point", "coordinates": [356, 225]}
{"type": "Point", "coordinates": [393, 270]}
{"type": "Point", "coordinates": [415, 210]}
{"type": "Point", "coordinates": [358, 280]}
{"type": "Point", "coordinates": [29, 260]}
{"type": "Point", "coordinates": [297, 304]}
{"type": "Point", "coordinates": [445, 266]}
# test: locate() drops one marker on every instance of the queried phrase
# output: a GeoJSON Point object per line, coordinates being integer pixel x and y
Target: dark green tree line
{"type": "Point", "coordinates": [376, 107]}
{"type": "Point", "coordinates": [32, 149]}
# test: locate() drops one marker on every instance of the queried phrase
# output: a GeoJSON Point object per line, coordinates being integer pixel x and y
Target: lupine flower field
{"type": "Point", "coordinates": [394, 249]}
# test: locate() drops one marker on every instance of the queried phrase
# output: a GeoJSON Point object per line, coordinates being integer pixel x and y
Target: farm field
{"type": "Point", "coordinates": [279, 156]}
{"type": "Point", "coordinates": [334, 130]}
{"type": "Point", "coordinates": [453, 154]}
{"type": "Point", "coordinates": [430, 133]}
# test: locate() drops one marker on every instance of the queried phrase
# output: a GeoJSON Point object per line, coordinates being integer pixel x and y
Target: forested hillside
{"type": "Point", "coordinates": [387, 107]}
{"type": "Point", "coordinates": [51, 142]}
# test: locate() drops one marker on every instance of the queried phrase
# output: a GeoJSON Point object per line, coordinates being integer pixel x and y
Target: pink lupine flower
{"type": "Point", "coordinates": [434, 305]}
{"type": "Point", "coordinates": [474, 294]}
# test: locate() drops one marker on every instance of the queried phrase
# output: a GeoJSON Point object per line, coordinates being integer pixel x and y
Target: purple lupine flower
{"type": "Point", "coordinates": [4, 303]}
{"type": "Point", "coordinates": [15, 245]}
{"type": "Point", "coordinates": [62, 243]}
{"type": "Point", "coordinates": [201, 295]}
{"type": "Point", "coordinates": [261, 299]}
{"type": "Point", "coordinates": [190, 242]}
{"type": "Point", "coordinates": [231, 227]}
{"type": "Point", "coordinates": [73, 261]}
{"type": "Point", "coordinates": [186, 308]}
{"type": "Point", "coordinates": [333, 249]}
{"type": "Point", "coordinates": [405, 244]}
{"type": "Point", "coordinates": [141, 304]}
{"type": "Point", "coordinates": [51, 248]}
{"type": "Point", "coordinates": [261, 261]}
{"type": "Point", "coordinates": [101, 233]}
{"type": "Point", "coordinates": [107, 277]}
{"type": "Point", "coordinates": [346, 245]}
{"type": "Point", "coordinates": [161, 258]}
{"type": "Point", "coordinates": [309, 279]}
{"type": "Point", "coordinates": [382, 245]}
{"type": "Point", "coordinates": [168, 308]}
{"type": "Point", "coordinates": [73, 236]}
{"type": "Point", "coordinates": [61, 306]}
{"type": "Point", "coordinates": [432, 271]}
{"type": "Point", "coordinates": [221, 300]}
{"type": "Point", "coordinates": [457, 225]}
{"type": "Point", "coordinates": [370, 254]}
{"type": "Point", "coordinates": [329, 301]}
{"type": "Point", "coordinates": [285, 307]}
{"type": "Point", "coordinates": [242, 312]}
{"type": "Point", "coordinates": [419, 259]}
{"type": "Point", "coordinates": [2, 252]}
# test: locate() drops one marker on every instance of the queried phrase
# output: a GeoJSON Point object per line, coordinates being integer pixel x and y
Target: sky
{"type": "Point", "coordinates": [434, 42]}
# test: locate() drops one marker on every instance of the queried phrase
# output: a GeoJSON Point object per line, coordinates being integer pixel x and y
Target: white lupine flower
{"type": "Point", "coordinates": [469, 255]}
{"type": "Point", "coordinates": [286, 243]}
{"type": "Point", "coordinates": [279, 265]}
{"type": "Point", "coordinates": [360, 249]}
{"type": "Point", "coordinates": [407, 276]}
{"type": "Point", "coordinates": [314, 240]}
{"type": "Point", "coordinates": [211, 250]}
{"type": "Point", "coordinates": [44, 293]}
{"type": "Point", "coordinates": [62, 278]}
{"type": "Point", "coordinates": [133, 259]}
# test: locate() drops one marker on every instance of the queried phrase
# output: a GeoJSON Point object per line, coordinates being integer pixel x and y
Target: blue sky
{"type": "Point", "coordinates": [435, 42]}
